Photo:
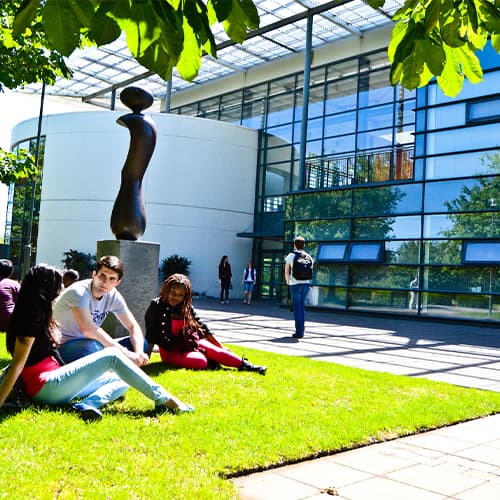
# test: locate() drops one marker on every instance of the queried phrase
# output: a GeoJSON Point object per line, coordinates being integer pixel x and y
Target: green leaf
{"type": "Point", "coordinates": [450, 24]}
{"type": "Point", "coordinates": [415, 73]}
{"type": "Point", "coordinates": [470, 64]}
{"type": "Point", "coordinates": [25, 17]}
{"type": "Point", "coordinates": [251, 14]}
{"type": "Point", "coordinates": [451, 79]}
{"type": "Point", "coordinates": [375, 4]}
{"type": "Point", "coordinates": [431, 19]}
{"type": "Point", "coordinates": [190, 61]}
{"type": "Point", "coordinates": [495, 41]}
{"type": "Point", "coordinates": [157, 59]}
{"type": "Point", "coordinates": [222, 9]}
{"type": "Point", "coordinates": [61, 26]}
{"type": "Point", "coordinates": [103, 28]}
{"type": "Point", "coordinates": [435, 56]}
{"type": "Point", "coordinates": [489, 15]}
{"type": "Point", "coordinates": [236, 23]}
{"type": "Point", "coordinates": [471, 13]}
{"type": "Point", "coordinates": [398, 33]}
{"type": "Point", "coordinates": [406, 10]}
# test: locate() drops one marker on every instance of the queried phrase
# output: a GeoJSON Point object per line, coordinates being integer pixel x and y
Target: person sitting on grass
{"type": "Point", "coordinates": [32, 340]}
{"type": "Point", "coordinates": [183, 340]}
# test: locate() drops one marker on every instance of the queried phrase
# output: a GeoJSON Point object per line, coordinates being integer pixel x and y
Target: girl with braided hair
{"type": "Point", "coordinates": [32, 340]}
{"type": "Point", "coordinates": [183, 340]}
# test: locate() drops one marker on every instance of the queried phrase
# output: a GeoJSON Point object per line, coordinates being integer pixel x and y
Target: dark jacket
{"type": "Point", "coordinates": [225, 272]}
{"type": "Point", "coordinates": [158, 321]}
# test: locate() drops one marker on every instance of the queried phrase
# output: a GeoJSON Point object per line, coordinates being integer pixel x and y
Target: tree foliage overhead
{"type": "Point", "coordinates": [440, 38]}
{"type": "Point", "coordinates": [26, 57]}
{"type": "Point", "coordinates": [161, 34]}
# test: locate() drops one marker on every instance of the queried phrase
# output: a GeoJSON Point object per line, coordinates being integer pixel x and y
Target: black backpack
{"type": "Point", "coordinates": [302, 268]}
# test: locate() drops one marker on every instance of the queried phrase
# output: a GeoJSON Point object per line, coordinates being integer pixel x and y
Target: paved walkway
{"type": "Point", "coordinates": [456, 462]}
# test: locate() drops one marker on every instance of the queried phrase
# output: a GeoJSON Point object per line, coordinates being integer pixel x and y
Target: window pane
{"type": "Point", "coordinates": [462, 195]}
{"type": "Point", "coordinates": [375, 88]}
{"type": "Point", "coordinates": [365, 252]}
{"type": "Point", "coordinates": [484, 110]}
{"type": "Point", "coordinates": [482, 225]}
{"type": "Point", "coordinates": [333, 297]}
{"type": "Point", "coordinates": [483, 136]}
{"type": "Point", "coordinates": [388, 200]}
{"type": "Point", "coordinates": [387, 228]}
{"type": "Point", "coordinates": [331, 274]}
{"type": "Point", "coordinates": [375, 139]}
{"type": "Point", "coordinates": [455, 305]}
{"type": "Point", "coordinates": [377, 299]}
{"type": "Point", "coordinates": [481, 163]}
{"type": "Point", "coordinates": [341, 95]}
{"type": "Point", "coordinates": [344, 123]}
{"type": "Point", "coordinates": [331, 252]}
{"type": "Point", "coordinates": [280, 109]}
{"type": "Point", "coordinates": [449, 116]}
{"type": "Point", "coordinates": [339, 145]}
{"type": "Point", "coordinates": [339, 229]}
{"type": "Point", "coordinates": [332, 204]}
{"type": "Point", "coordinates": [402, 252]}
{"type": "Point", "coordinates": [315, 129]}
{"type": "Point", "coordinates": [281, 133]}
{"type": "Point", "coordinates": [443, 252]}
{"type": "Point", "coordinates": [482, 252]}
{"type": "Point", "coordinates": [276, 155]}
{"type": "Point", "coordinates": [382, 276]}
{"type": "Point", "coordinates": [375, 118]}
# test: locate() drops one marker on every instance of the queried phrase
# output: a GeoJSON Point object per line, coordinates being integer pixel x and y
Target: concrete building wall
{"type": "Point", "coordinates": [199, 189]}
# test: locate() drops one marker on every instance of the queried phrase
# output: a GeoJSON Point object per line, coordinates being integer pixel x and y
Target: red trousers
{"type": "Point", "coordinates": [198, 360]}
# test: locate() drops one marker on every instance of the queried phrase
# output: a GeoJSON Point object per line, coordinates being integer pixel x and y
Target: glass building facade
{"type": "Point", "coordinates": [398, 193]}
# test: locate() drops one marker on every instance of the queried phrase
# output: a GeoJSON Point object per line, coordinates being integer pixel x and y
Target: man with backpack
{"type": "Point", "coordinates": [298, 274]}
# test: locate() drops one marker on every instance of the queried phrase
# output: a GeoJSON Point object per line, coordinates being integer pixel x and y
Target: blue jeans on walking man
{"type": "Point", "coordinates": [298, 295]}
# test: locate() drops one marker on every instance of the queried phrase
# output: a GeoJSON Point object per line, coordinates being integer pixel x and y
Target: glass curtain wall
{"type": "Point", "coordinates": [23, 207]}
{"type": "Point", "coordinates": [398, 186]}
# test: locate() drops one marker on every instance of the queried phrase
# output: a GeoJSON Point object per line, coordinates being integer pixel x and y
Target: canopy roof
{"type": "Point", "coordinates": [99, 71]}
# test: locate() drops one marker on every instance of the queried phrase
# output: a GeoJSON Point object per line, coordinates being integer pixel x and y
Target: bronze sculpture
{"type": "Point", "coordinates": [128, 218]}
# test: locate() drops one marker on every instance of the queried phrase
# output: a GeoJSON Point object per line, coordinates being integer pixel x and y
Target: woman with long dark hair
{"type": "Point", "coordinates": [32, 340]}
{"type": "Point", "coordinates": [183, 340]}
{"type": "Point", "coordinates": [225, 278]}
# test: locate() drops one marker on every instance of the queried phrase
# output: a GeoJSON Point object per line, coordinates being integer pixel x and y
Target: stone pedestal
{"type": "Point", "coordinates": [140, 278]}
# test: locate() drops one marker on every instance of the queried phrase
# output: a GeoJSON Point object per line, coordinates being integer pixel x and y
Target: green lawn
{"type": "Point", "coordinates": [243, 422]}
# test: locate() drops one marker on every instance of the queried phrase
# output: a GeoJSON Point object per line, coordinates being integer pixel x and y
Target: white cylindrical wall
{"type": "Point", "coordinates": [199, 188]}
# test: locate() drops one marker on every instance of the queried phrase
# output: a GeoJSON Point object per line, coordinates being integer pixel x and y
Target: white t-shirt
{"type": "Point", "coordinates": [289, 260]}
{"type": "Point", "coordinates": [79, 295]}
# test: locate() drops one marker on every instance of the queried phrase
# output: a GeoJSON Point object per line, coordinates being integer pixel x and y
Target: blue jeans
{"type": "Point", "coordinates": [298, 294]}
{"type": "Point", "coordinates": [78, 348]}
{"type": "Point", "coordinates": [88, 378]}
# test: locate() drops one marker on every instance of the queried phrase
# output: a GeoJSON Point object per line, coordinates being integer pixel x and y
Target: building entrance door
{"type": "Point", "coordinates": [271, 276]}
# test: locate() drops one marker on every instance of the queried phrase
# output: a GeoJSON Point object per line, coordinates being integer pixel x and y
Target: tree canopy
{"type": "Point", "coordinates": [431, 38]}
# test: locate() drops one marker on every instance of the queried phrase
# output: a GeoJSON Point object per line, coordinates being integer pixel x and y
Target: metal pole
{"type": "Point", "coordinates": [27, 247]}
{"type": "Point", "coordinates": [168, 96]}
{"type": "Point", "coordinates": [305, 103]}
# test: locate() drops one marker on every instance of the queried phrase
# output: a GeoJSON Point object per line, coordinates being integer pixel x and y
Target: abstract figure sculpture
{"type": "Point", "coordinates": [128, 218]}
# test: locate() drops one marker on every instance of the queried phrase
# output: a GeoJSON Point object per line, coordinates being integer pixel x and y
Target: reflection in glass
{"type": "Point", "coordinates": [456, 305]}
{"type": "Point", "coordinates": [379, 276]}
{"type": "Point", "coordinates": [463, 165]}
{"type": "Point", "coordinates": [334, 297]}
{"type": "Point", "coordinates": [485, 252]}
{"type": "Point", "coordinates": [365, 252]}
{"type": "Point", "coordinates": [340, 124]}
{"type": "Point", "coordinates": [376, 299]}
{"type": "Point", "coordinates": [338, 229]}
{"type": "Point", "coordinates": [328, 204]}
{"type": "Point", "coordinates": [388, 200]}
{"type": "Point", "coordinates": [443, 252]}
{"type": "Point", "coordinates": [385, 228]}
{"type": "Point", "coordinates": [402, 252]}
{"type": "Point", "coordinates": [330, 274]}
{"type": "Point", "coordinates": [461, 195]}
{"type": "Point", "coordinates": [474, 279]}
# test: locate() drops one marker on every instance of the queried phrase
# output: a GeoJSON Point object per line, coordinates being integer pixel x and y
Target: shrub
{"type": "Point", "coordinates": [174, 264]}
{"type": "Point", "coordinates": [84, 263]}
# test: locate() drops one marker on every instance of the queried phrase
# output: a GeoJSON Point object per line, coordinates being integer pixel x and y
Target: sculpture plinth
{"type": "Point", "coordinates": [128, 218]}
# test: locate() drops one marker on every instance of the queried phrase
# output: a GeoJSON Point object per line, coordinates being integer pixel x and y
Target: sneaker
{"type": "Point", "coordinates": [222, 302]}
{"type": "Point", "coordinates": [183, 408]}
{"type": "Point", "coordinates": [227, 301]}
{"type": "Point", "coordinates": [87, 413]}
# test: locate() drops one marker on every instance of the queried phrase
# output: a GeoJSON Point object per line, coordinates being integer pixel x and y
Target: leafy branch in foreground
{"type": "Point", "coordinates": [161, 34]}
{"type": "Point", "coordinates": [15, 167]}
{"type": "Point", "coordinates": [440, 38]}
